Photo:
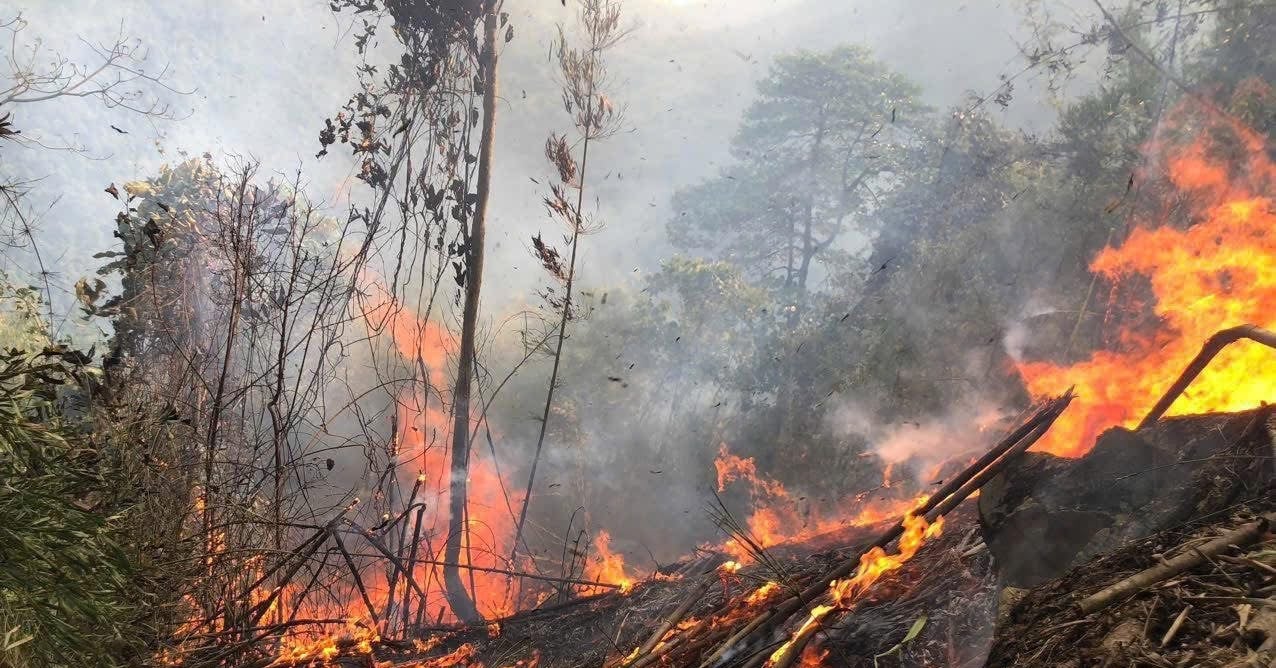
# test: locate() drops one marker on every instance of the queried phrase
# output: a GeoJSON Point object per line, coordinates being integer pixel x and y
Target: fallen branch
{"type": "Point", "coordinates": [943, 501]}
{"type": "Point", "coordinates": [1167, 569]}
{"type": "Point", "coordinates": [1211, 348]}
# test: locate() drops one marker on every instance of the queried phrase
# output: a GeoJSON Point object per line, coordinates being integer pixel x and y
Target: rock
{"type": "Point", "coordinates": [1045, 514]}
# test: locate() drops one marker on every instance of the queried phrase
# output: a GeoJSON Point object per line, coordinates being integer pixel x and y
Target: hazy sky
{"type": "Point", "coordinates": [264, 75]}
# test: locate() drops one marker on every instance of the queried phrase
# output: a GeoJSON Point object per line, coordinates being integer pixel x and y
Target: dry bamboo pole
{"type": "Point", "coordinates": [667, 652]}
{"type": "Point", "coordinates": [795, 648]}
{"type": "Point", "coordinates": [942, 502]}
{"type": "Point", "coordinates": [671, 621]}
{"type": "Point", "coordinates": [1167, 569]}
{"type": "Point", "coordinates": [1212, 347]}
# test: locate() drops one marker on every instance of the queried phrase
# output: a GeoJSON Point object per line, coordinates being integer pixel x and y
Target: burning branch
{"type": "Point", "coordinates": [945, 500]}
{"type": "Point", "coordinates": [1212, 347]}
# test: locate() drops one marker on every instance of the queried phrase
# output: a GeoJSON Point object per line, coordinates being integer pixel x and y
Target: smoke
{"type": "Point", "coordinates": [1018, 334]}
{"type": "Point", "coordinates": [917, 447]}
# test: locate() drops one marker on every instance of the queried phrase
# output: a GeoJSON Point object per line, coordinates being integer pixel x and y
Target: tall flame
{"type": "Point", "coordinates": [1217, 273]}
{"type": "Point", "coordinates": [873, 565]}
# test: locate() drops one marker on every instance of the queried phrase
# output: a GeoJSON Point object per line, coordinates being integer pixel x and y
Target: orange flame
{"type": "Point", "coordinates": [873, 565]}
{"type": "Point", "coordinates": [609, 566]}
{"type": "Point", "coordinates": [778, 517]}
{"type": "Point", "coordinates": [1217, 273]}
{"type": "Point", "coordinates": [762, 594]}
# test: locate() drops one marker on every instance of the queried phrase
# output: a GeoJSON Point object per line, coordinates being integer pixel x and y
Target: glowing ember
{"type": "Point", "coordinates": [1218, 273]}
{"type": "Point", "coordinates": [358, 640]}
{"type": "Point", "coordinates": [813, 658]}
{"type": "Point", "coordinates": [461, 656]}
{"type": "Point", "coordinates": [426, 645]}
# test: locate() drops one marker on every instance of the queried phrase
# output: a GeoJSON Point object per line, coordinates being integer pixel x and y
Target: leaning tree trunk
{"type": "Point", "coordinates": [460, 601]}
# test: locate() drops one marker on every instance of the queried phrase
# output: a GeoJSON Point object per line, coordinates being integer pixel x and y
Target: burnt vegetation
{"type": "Point", "coordinates": [899, 381]}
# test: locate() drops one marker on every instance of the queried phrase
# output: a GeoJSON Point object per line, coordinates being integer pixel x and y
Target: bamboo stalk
{"type": "Point", "coordinates": [942, 502]}
{"type": "Point", "coordinates": [1167, 569]}
{"type": "Point", "coordinates": [671, 621]}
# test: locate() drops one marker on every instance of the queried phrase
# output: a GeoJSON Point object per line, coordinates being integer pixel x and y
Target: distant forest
{"type": "Point", "coordinates": [251, 372]}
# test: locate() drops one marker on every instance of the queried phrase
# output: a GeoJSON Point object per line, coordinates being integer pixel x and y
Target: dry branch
{"type": "Point", "coordinates": [948, 497]}
{"type": "Point", "coordinates": [1167, 569]}
{"type": "Point", "coordinates": [1211, 348]}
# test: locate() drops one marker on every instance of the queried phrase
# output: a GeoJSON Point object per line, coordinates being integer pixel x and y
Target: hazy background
{"type": "Point", "coordinates": [264, 75]}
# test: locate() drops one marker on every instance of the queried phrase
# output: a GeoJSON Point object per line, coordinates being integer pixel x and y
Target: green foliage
{"type": "Point", "coordinates": [22, 324]}
{"type": "Point", "coordinates": [71, 593]}
{"type": "Point", "coordinates": [829, 134]}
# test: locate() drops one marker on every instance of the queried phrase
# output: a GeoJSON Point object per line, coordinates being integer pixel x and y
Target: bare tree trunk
{"type": "Point", "coordinates": [460, 601]}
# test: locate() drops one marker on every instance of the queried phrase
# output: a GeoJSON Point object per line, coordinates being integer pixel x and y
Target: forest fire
{"type": "Point", "coordinates": [844, 593]}
{"type": "Point", "coordinates": [1219, 272]}
{"type": "Point", "coordinates": [862, 354]}
{"type": "Point", "coordinates": [421, 438]}
{"type": "Point", "coordinates": [776, 516]}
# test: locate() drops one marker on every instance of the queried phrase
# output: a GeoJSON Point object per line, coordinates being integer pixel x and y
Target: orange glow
{"type": "Point", "coordinates": [1217, 273]}
{"type": "Point", "coordinates": [813, 658]}
{"type": "Point", "coordinates": [422, 444]}
{"type": "Point", "coordinates": [778, 517]}
{"type": "Point", "coordinates": [873, 565]}
{"type": "Point", "coordinates": [608, 566]}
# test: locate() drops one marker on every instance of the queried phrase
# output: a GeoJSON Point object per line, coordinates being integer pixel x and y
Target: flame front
{"type": "Point", "coordinates": [777, 517]}
{"type": "Point", "coordinates": [1218, 272]}
{"type": "Point", "coordinates": [873, 565]}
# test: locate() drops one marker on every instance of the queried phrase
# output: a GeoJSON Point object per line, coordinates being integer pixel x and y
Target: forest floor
{"type": "Point", "coordinates": [961, 600]}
